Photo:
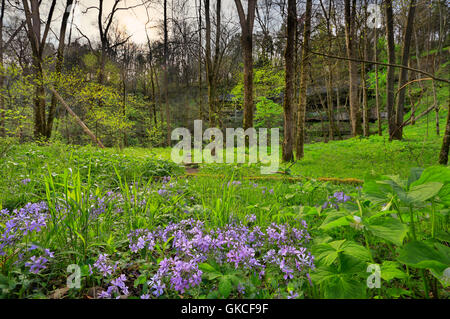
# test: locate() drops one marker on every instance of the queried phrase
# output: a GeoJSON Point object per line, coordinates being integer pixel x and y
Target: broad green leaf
{"type": "Point", "coordinates": [327, 253]}
{"type": "Point", "coordinates": [387, 228]}
{"type": "Point", "coordinates": [355, 250]}
{"type": "Point", "coordinates": [390, 270]}
{"type": "Point", "coordinates": [425, 255]}
{"type": "Point", "coordinates": [423, 192]}
{"type": "Point", "coordinates": [434, 174]}
{"type": "Point", "coordinates": [414, 175]}
{"type": "Point", "coordinates": [205, 267]}
{"type": "Point", "coordinates": [335, 219]}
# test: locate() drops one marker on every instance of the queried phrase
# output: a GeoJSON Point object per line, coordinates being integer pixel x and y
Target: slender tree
{"type": "Point", "coordinates": [398, 133]}
{"type": "Point", "coordinates": [38, 42]}
{"type": "Point", "coordinates": [288, 104]}
{"type": "Point", "coordinates": [350, 41]}
{"type": "Point", "coordinates": [59, 64]}
{"type": "Point", "coordinates": [301, 112]}
{"type": "Point", "coordinates": [390, 94]}
{"type": "Point", "coordinates": [246, 22]}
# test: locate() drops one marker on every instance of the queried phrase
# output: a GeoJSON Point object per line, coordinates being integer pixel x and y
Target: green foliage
{"type": "Point", "coordinates": [268, 113]}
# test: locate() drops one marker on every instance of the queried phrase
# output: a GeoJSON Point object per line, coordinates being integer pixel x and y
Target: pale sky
{"type": "Point", "coordinates": [134, 20]}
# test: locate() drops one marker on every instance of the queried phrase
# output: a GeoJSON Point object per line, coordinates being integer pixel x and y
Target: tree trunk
{"type": "Point", "coordinates": [301, 112]}
{"type": "Point", "coordinates": [288, 141]}
{"type": "Point", "coordinates": [166, 75]}
{"type": "Point", "coordinates": [390, 78]}
{"type": "Point", "coordinates": [350, 41]}
{"type": "Point", "coordinates": [400, 109]}
{"type": "Point", "coordinates": [58, 67]}
{"type": "Point", "coordinates": [246, 23]}
{"type": "Point", "coordinates": [365, 45]}
{"type": "Point", "coordinates": [2, 101]}
{"type": "Point", "coordinates": [443, 156]}
{"type": "Point", "coordinates": [377, 89]}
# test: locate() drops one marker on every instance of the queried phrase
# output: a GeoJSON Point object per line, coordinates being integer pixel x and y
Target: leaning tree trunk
{"type": "Point", "coordinates": [288, 105]}
{"type": "Point", "coordinates": [301, 111]}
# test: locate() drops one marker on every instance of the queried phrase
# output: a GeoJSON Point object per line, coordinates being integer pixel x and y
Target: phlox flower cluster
{"type": "Point", "coordinates": [31, 218]}
{"type": "Point", "coordinates": [336, 199]}
{"type": "Point", "coordinates": [252, 249]}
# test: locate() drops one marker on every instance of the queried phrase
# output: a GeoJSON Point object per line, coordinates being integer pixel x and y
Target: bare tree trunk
{"type": "Point", "coordinates": [390, 70]}
{"type": "Point", "coordinates": [301, 112]}
{"type": "Point", "coordinates": [200, 95]}
{"type": "Point", "coordinates": [377, 89]}
{"type": "Point", "coordinates": [166, 75]}
{"type": "Point", "coordinates": [350, 41]}
{"type": "Point", "coordinates": [2, 81]}
{"type": "Point", "coordinates": [400, 109]}
{"type": "Point", "coordinates": [59, 65]}
{"type": "Point", "coordinates": [33, 21]}
{"type": "Point", "coordinates": [365, 104]}
{"type": "Point", "coordinates": [212, 66]}
{"type": "Point", "coordinates": [247, 53]}
{"type": "Point", "coordinates": [443, 156]}
{"type": "Point", "coordinates": [288, 141]}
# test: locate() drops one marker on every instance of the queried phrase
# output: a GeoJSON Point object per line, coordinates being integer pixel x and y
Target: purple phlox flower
{"type": "Point", "coordinates": [36, 264]}
{"type": "Point", "coordinates": [292, 295]}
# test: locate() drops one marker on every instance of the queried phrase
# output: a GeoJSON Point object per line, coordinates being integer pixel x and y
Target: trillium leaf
{"type": "Point", "coordinates": [388, 228]}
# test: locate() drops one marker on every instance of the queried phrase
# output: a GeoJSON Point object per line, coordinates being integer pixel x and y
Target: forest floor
{"type": "Point", "coordinates": [350, 158]}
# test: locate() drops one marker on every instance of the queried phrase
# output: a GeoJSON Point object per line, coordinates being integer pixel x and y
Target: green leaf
{"type": "Point", "coordinates": [388, 228]}
{"type": "Point", "coordinates": [425, 255]}
{"type": "Point", "coordinates": [390, 270]}
{"type": "Point", "coordinates": [205, 267]}
{"type": "Point", "coordinates": [335, 219]}
{"type": "Point", "coordinates": [414, 175]}
{"type": "Point", "coordinates": [423, 192]}
{"type": "Point", "coordinates": [225, 286]}
{"type": "Point", "coordinates": [434, 174]}
{"type": "Point", "coordinates": [327, 253]}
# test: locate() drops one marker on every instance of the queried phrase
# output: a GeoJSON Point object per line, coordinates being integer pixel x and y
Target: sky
{"type": "Point", "coordinates": [135, 19]}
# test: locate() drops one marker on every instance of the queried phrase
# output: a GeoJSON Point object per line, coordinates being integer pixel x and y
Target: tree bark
{"type": "Point", "coordinates": [246, 23]}
{"type": "Point", "coordinates": [58, 67]}
{"type": "Point", "coordinates": [400, 109]}
{"type": "Point", "coordinates": [390, 78]}
{"type": "Point", "coordinates": [350, 41]}
{"type": "Point", "coordinates": [288, 105]}
{"type": "Point", "coordinates": [377, 89]}
{"type": "Point", "coordinates": [443, 156]}
{"type": "Point", "coordinates": [301, 112]}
